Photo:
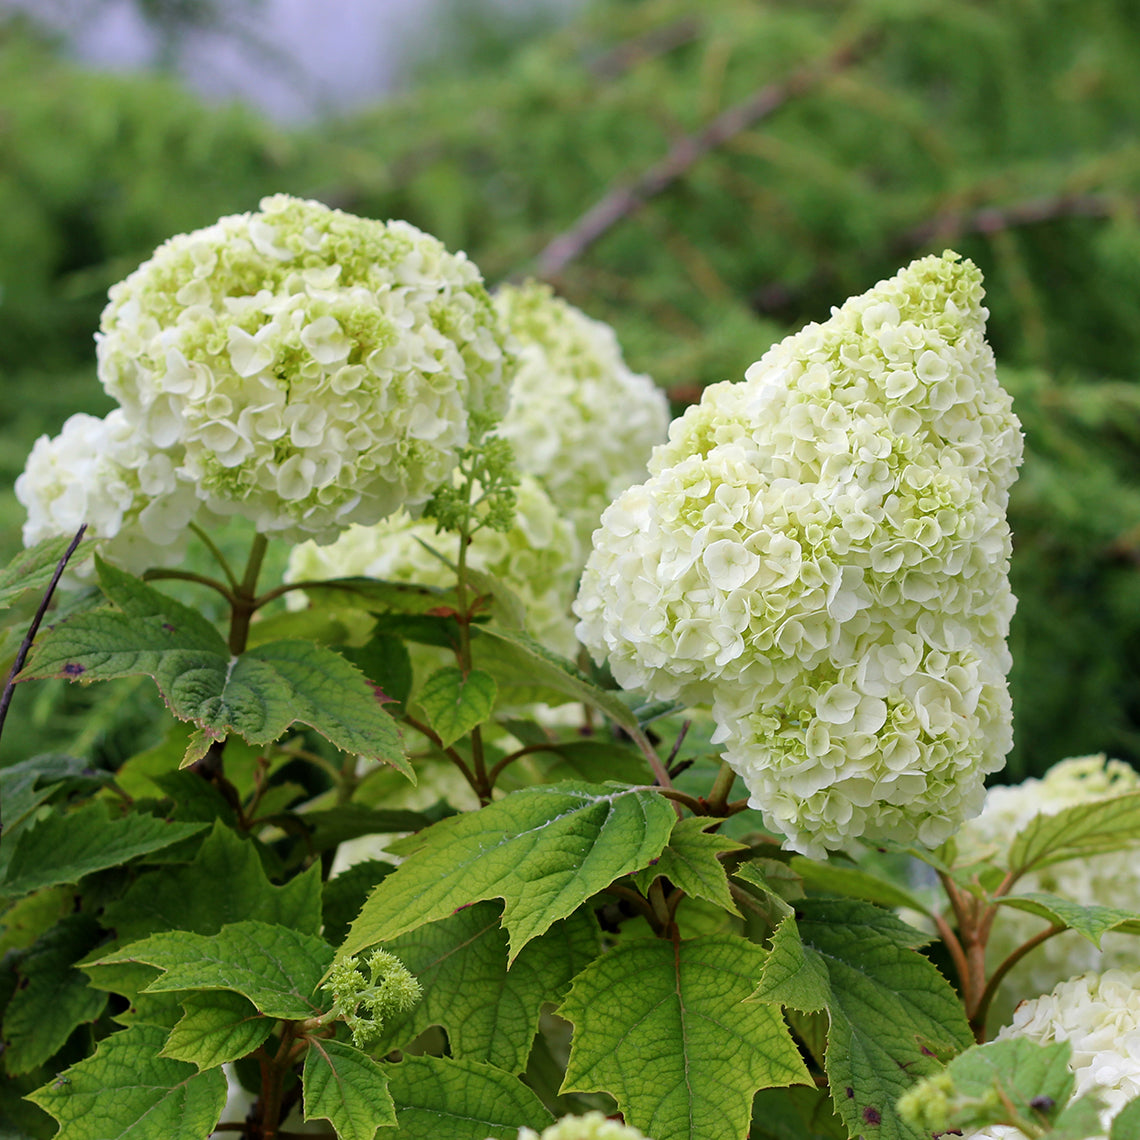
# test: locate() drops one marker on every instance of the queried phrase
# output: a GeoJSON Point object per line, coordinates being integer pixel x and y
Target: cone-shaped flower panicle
{"type": "Point", "coordinates": [821, 553]}
{"type": "Point", "coordinates": [305, 368]}
{"type": "Point", "coordinates": [580, 421]}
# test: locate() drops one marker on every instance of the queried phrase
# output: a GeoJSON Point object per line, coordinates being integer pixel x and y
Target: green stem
{"type": "Point", "coordinates": [450, 753]}
{"type": "Point", "coordinates": [219, 557]}
{"type": "Point", "coordinates": [717, 798]}
{"type": "Point", "coordinates": [190, 576]}
{"type": "Point", "coordinates": [245, 597]}
{"type": "Point", "coordinates": [979, 1015]}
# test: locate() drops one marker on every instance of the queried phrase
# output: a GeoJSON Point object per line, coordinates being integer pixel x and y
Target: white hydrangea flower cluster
{"type": "Point", "coordinates": [99, 472]}
{"type": "Point", "coordinates": [302, 367]}
{"type": "Point", "coordinates": [579, 420]}
{"type": "Point", "coordinates": [590, 1126]}
{"type": "Point", "coordinates": [1112, 877]}
{"type": "Point", "coordinates": [1099, 1016]}
{"type": "Point", "coordinates": [537, 558]}
{"type": "Point", "coordinates": [821, 552]}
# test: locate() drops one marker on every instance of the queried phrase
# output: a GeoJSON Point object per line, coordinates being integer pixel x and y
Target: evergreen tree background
{"type": "Point", "coordinates": [706, 178]}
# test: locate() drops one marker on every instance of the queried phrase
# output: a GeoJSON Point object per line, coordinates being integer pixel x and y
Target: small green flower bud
{"type": "Point", "coordinates": [389, 988]}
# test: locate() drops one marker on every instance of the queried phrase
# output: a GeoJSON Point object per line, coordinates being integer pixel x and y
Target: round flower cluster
{"type": "Point", "coordinates": [1110, 877]}
{"type": "Point", "coordinates": [302, 367]}
{"type": "Point", "coordinates": [590, 1126]}
{"type": "Point", "coordinates": [1099, 1016]}
{"type": "Point", "coordinates": [98, 472]}
{"type": "Point", "coordinates": [821, 552]}
{"type": "Point", "coordinates": [580, 421]}
{"type": "Point", "coordinates": [537, 558]}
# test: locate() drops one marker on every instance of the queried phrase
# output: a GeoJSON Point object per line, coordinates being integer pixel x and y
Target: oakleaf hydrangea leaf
{"type": "Point", "coordinates": [276, 968]}
{"type": "Point", "coordinates": [126, 1090]}
{"type": "Point", "coordinates": [1083, 829]}
{"type": "Point", "coordinates": [186, 897]}
{"type": "Point", "coordinates": [544, 850]}
{"type": "Point", "coordinates": [32, 569]}
{"type": "Point", "coordinates": [52, 996]}
{"type": "Point", "coordinates": [65, 846]}
{"type": "Point", "coordinates": [690, 862]}
{"type": "Point", "coordinates": [1090, 922]}
{"type": "Point", "coordinates": [347, 1088]}
{"type": "Point", "coordinates": [852, 882]}
{"type": "Point", "coordinates": [665, 1029]}
{"type": "Point", "coordinates": [891, 1010]}
{"type": "Point", "coordinates": [455, 704]}
{"type": "Point", "coordinates": [490, 1013]}
{"type": "Point", "coordinates": [462, 1100]}
{"type": "Point", "coordinates": [257, 694]}
{"type": "Point", "coordinates": [1126, 1123]}
{"type": "Point", "coordinates": [217, 1026]}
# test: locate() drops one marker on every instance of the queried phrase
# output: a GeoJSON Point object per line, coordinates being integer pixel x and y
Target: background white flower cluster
{"type": "Point", "coordinates": [590, 1126]}
{"type": "Point", "coordinates": [1099, 1016]}
{"type": "Point", "coordinates": [821, 552]}
{"type": "Point", "coordinates": [298, 366]}
{"type": "Point", "coordinates": [1110, 878]}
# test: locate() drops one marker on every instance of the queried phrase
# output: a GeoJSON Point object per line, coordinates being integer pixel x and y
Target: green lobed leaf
{"type": "Point", "coordinates": [592, 760]}
{"type": "Point", "coordinates": [490, 1013]}
{"type": "Point", "coordinates": [1084, 829]}
{"type": "Point", "coordinates": [1091, 922]}
{"type": "Point", "coordinates": [544, 850]}
{"type": "Point", "coordinates": [891, 1011]}
{"type": "Point", "coordinates": [690, 862]}
{"type": "Point", "coordinates": [33, 567]}
{"type": "Point", "coordinates": [378, 596]}
{"type": "Point", "coordinates": [257, 694]}
{"type": "Point", "coordinates": [852, 882]}
{"type": "Point", "coordinates": [216, 1026]}
{"type": "Point", "coordinates": [333, 826]}
{"type": "Point", "coordinates": [344, 894]}
{"type": "Point", "coordinates": [1080, 1119]}
{"type": "Point", "coordinates": [459, 1099]}
{"type": "Point", "coordinates": [347, 1088]}
{"type": "Point", "coordinates": [129, 1092]}
{"type": "Point", "coordinates": [455, 704]}
{"type": "Point", "coordinates": [515, 658]}
{"type": "Point", "coordinates": [276, 968]}
{"type": "Point", "coordinates": [997, 1083]}
{"type": "Point", "coordinates": [70, 844]}
{"type": "Point", "coordinates": [795, 1113]}
{"type": "Point", "coordinates": [665, 1029]}
{"type": "Point", "coordinates": [187, 897]}
{"type": "Point", "coordinates": [385, 661]}
{"type": "Point", "coordinates": [52, 997]}
{"type": "Point", "coordinates": [1126, 1123]}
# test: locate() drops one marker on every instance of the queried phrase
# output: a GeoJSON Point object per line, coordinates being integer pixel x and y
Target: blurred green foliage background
{"type": "Point", "coordinates": [744, 165]}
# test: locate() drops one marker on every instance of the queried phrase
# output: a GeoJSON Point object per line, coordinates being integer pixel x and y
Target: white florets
{"type": "Point", "coordinates": [1113, 877]}
{"type": "Point", "coordinates": [1099, 1016]}
{"type": "Point", "coordinates": [537, 558]}
{"type": "Point", "coordinates": [579, 420]}
{"type": "Point", "coordinates": [590, 1126]}
{"type": "Point", "coordinates": [305, 368]}
{"type": "Point", "coordinates": [821, 552]}
{"type": "Point", "coordinates": [100, 472]}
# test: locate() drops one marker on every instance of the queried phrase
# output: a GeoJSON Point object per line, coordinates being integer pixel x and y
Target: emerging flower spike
{"type": "Point", "coordinates": [580, 421]}
{"type": "Point", "coordinates": [305, 368]}
{"type": "Point", "coordinates": [821, 553]}
{"type": "Point", "coordinates": [388, 989]}
{"type": "Point", "coordinates": [590, 1126]}
{"type": "Point", "coordinates": [1092, 879]}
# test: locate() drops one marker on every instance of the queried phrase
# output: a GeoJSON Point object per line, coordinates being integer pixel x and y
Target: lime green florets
{"type": "Point", "coordinates": [591, 1126]}
{"type": "Point", "coordinates": [363, 1002]}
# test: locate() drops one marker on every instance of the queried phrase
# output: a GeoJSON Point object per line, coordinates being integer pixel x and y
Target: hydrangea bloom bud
{"type": "Point", "coordinates": [1093, 879]}
{"type": "Point", "coordinates": [100, 472]}
{"type": "Point", "coordinates": [308, 368]}
{"type": "Point", "coordinates": [1099, 1016]}
{"type": "Point", "coordinates": [580, 421]}
{"type": "Point", "coordinates": [537, 558]}
{"type": "Point", "coordinates": [821, 553]}
{"type": "Point", "coordinates": [590, 1126]}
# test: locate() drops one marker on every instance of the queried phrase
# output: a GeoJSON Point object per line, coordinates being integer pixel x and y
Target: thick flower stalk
{"type": "Point", "coordinates": [537, 558]}
{"type": "Point", "coordinates": [1091, 880]}
{"type": "Point", "coordinates": [1099, 1016]}
{"type": "Point", "coordinates": [305, 368]}
{"type": "Point", "coordinates": [580, 421]}
{"type": "Point", "coordinates": [100, 472]}
{"type": "Point", "coordinates": [821, 553]}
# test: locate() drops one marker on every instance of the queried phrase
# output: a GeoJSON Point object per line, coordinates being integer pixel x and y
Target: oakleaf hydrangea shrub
{"type": "Point", "coordinates": [821, 553]}
{"type": "Point", "coordinates": [580, 421]}
{"type": "Point", "coordinates": [1109, 878]}
{"type": "Point", "coordinates": [298, 366]}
